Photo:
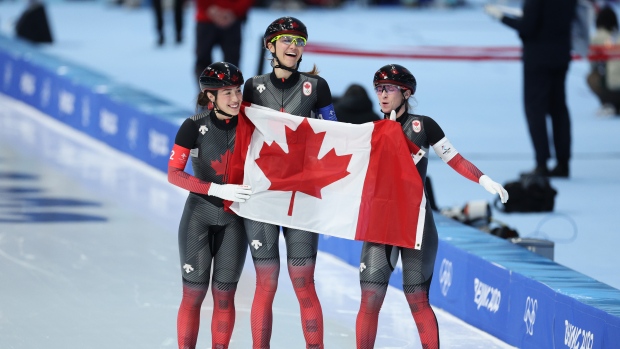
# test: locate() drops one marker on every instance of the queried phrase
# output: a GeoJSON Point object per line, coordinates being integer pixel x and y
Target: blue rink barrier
{"type": "Point", "coordinates": [522, 298]}
{"type": "Point", "coordinates": [126, 119]}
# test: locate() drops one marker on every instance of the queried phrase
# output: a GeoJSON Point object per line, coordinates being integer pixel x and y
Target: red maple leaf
{"type": "Point", "coordinates": [300, 169]}
{"type": "Point", "coordinates": [220, 165]}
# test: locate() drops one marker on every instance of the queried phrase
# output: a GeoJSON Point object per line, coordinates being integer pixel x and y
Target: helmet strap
{"type": "Point", "coordinates": [217, 109]}
{"type": "Point", "coordinates": [277, 65]}
{"type": "Point", "coordinates": [397, 110]}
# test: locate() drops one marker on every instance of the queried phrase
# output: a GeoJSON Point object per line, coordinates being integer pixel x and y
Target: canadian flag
{"type": "Point", "coordinates": [350, 181]}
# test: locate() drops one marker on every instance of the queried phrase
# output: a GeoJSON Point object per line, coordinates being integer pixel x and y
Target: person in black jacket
{"type": "Point", "coordinates": [158, 8]}
{"type": "Point", "coordinates": [355, 107]}
{"type": "Point", "coordinates": [545, 31]}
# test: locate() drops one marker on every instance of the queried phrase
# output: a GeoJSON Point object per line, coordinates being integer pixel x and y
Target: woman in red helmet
{"type": "Point", "coordinates": [394, 85]}
{"type": "Point", "coordinates": [207, 234]}
{"type": "Point", "coordinates": [307, 95]}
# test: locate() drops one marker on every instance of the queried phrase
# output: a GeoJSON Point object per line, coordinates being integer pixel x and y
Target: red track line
{"type": "Point", "coordinates": [451, 53]}
{"type": "Point", "coordinates": [439, 53]}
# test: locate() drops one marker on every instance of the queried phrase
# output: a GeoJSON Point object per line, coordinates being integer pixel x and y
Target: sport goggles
{"type": "Point", "coordinates": [390, 89]}
{"type": "Point", "coordinates": [290, 39]}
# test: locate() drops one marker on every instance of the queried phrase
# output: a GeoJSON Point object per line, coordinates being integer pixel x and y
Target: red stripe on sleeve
{"type": "Point", "coordinates": [177, 176]}
{"type": "Point", "coordinates": [465, 168]}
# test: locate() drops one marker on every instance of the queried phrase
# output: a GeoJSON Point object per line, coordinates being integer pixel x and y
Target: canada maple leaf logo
{"type": "Point", "coordinates": [220, 165]}
{"type": "Point", "coordinates": [300, 169]}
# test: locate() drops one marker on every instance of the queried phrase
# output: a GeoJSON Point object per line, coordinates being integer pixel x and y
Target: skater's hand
{"type": "Point", "coordinates": [227, 18]}
{"type": "Point", "coordinates": [493, 187]}
{"type": "Point", "coordinates": [231, 192]}
{"type": "Point", "coordinates": [494, 11]}
{"type": "Point", "coordinates": [220, 16]}
{"type": "Point", "coordinates": [393, 115]}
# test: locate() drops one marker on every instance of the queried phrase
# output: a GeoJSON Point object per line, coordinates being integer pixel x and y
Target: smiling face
{"type": "Point", "coordinates": [227, 100]}
{"type": "Point", "coordinates": [288, 52]}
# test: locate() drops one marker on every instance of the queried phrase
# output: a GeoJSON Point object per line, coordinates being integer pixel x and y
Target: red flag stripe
{"type": "Point", "coordinates": [393, 193]}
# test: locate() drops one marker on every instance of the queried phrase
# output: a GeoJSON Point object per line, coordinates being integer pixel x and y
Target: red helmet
{"type": "Point", "coordinates": [285, 25]}
{"type": "Point", "coordinates": [395, 74]}
{"type": "Point", "coordinates": [220, 75]}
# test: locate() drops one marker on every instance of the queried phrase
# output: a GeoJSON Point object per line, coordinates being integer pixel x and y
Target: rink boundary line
{"type": "Point", "coordinates": [436, 53]}
{"type": "Point", "coordinates": [448, 53]}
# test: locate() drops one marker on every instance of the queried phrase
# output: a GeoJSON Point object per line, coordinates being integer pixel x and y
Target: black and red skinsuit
{"type": "Point", "coordinates": [378, 261]}
{"type": "Point", "coordinates": [207, 233]}
{"type": "Point", "coordinates": [308, 96]}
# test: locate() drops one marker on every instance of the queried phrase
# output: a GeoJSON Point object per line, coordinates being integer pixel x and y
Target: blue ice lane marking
{"type": "Point", "coordinates": [18, 176]}
{"type": "Point", "coordinates": [47, 217]}
{"type": "Point", "coordinates": [49, 202]}
{"type": "Point", "coordinates": [19, 190]}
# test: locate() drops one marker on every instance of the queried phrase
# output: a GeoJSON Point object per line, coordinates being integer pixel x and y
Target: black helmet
{"type": "Point", "coordinates": [285, 25]}
{"type": "Point", "coordinates": [220, 75]}
{"type": "Point", "coordinates": [395, 74]}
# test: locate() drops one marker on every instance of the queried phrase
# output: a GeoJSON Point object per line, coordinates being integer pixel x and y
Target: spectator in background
{"type": "Point", "coordinates": [219, 22]}
{"type": "Point", "coordinates": [355, 107]}
{"type": "Point", "coordinates": [545, 31]}
{"type": "Point", "coordinates": [604, 77]}
{"type": "Point", "coordinates": [33, 24]}
{"type": "Point", "coordinates": [178, 20]}
{"type": "Point", "coordinates": [324, 3]}
{"type": "Point", "coordinates": [580, 31]}
{"type": "Point", "coordinates": [289, 5]}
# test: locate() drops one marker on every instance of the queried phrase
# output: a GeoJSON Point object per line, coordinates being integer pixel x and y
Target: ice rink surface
{"type": "Point", "coordinates": [88, 235]}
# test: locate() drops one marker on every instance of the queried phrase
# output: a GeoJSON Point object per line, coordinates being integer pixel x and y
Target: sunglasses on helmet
{"type": "Point", "coordinates": [290, 39]}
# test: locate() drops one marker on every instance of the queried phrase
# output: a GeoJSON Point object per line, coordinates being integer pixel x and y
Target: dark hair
{"type": "Point", "coordinates": [607, 19]}
{"type": "Point", "coordinates": [203, 100]}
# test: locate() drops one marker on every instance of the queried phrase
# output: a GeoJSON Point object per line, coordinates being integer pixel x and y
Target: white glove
{"type": "Point", "coordinates": [393, 115]}
{"type": "Point", "coordinates": [231, 192]}
{"type": "Point", "coordinates": [493, 187]}
{"type": "Point", "coordinates": [494, 11]}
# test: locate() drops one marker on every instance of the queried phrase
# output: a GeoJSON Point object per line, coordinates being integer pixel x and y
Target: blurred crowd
{"type": "Point", "coordinates": [604, 55]}
{"type": "Point", "coordinates": [299, 4]}
{"type": "Point", "coordinates": [290, 4]}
